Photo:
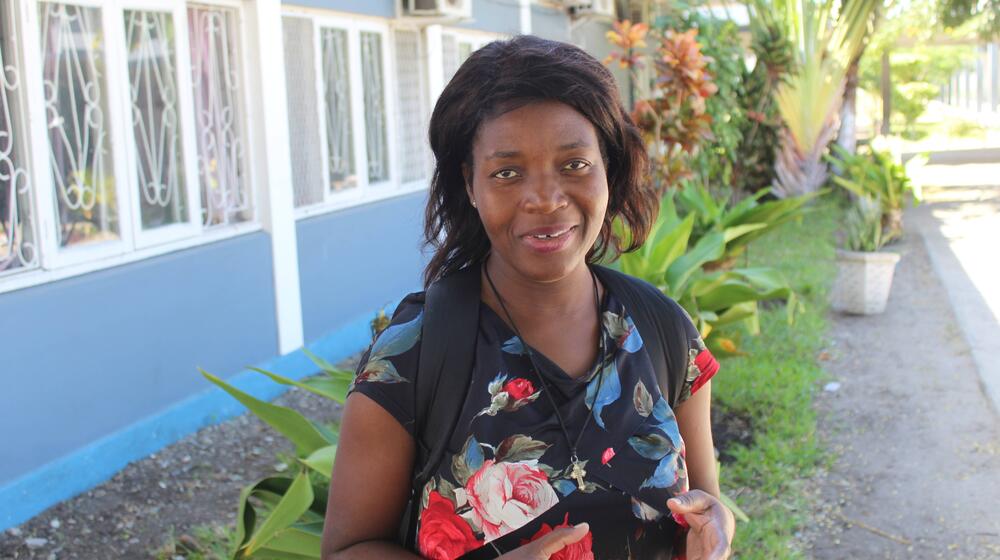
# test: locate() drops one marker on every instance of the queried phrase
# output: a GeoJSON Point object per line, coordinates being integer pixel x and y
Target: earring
{"type": "Point", "coordinates": [474, 204]}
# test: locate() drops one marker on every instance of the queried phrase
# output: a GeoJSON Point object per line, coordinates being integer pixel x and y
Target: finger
{"type": "Point", "coordinates": [558, 539]}
{"type": "Point", "coordinates": [694, 501]}
{"type": "Point", "coordinates": [721, 551]}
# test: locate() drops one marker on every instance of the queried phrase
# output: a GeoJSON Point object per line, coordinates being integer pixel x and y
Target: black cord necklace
{"type": "Point", "coordinates": [578, 472]}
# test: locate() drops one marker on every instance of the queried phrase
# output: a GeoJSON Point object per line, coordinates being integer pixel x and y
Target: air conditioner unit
{"type": "Point", "coordinates": [577, 8]}
{"type": "Point", "coordinates": [438, 8]}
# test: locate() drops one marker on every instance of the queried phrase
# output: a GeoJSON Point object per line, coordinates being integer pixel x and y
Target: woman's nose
{"type": "Point", "coordinates": [544, 194]}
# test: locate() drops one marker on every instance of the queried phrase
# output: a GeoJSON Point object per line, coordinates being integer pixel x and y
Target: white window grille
{"type": "Point", "coordinates": [370, 104]}
{"type": "Point", "coordinates": [216, 78]}
{"type": "Point", "coordinates": [338, 113]}
{"type": "Point", "coordinates": [303, 110]}
{"type": "Point", "coordinates": [132, 109]}
{"type": "Point", "coordinates": [18, 249]}
{"type": "Point", "coordinates": [412, 95]}
{"type": "Point", "coordinates": [457, 46]}
{"type": "Point", "coordinates": [375, 107]}
{"type": "Point", "coordinates": [156, 118]}
{"type": "Point", "coordinates": [76, 110]}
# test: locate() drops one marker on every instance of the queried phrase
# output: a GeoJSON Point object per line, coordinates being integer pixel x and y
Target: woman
{"type": "Point", "coordinates": [565, 447]}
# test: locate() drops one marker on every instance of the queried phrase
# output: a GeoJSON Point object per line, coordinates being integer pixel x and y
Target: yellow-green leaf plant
{"type": "Point", "coordinates": [825, 35]}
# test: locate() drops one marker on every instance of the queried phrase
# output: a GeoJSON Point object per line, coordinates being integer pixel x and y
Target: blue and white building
{"type": "Point", "coordinates": [207, 184]}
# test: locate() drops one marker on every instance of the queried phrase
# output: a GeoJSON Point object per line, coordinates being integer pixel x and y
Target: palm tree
{"type": "Point", "coordinates": [826, 36]}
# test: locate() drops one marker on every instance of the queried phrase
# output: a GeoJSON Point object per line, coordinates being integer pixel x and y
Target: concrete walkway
{"type": "Point", "coordinates": [914, 424]}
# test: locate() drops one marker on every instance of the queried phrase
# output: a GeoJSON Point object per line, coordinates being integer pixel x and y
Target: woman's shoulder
{"type": "Point", "coordinates": [617, 282]}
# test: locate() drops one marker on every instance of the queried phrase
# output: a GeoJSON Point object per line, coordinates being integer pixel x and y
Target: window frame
{"type": "Point", "coordinates": [20, 120]}
{"type": "Point", "coordinates": [188, 145]}
{"type": "Point", "coordinates": [133, 244]}
{"type": "Point", "coordinates": [424, 71]}
{"type": "Point", "coordinates": [364, 192]}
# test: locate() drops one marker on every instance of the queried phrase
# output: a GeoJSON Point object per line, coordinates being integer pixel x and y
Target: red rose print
{"type": "Point", "coordinates": [608, 454]}
{"type": "Point", "coordinates": [443, 534]}
{"type": "Point", "coordinates": [707, 365]}
{"type": "Point", "coordinates": [580, 550]}
{"type": "Point", "coordinates": [519, 388]}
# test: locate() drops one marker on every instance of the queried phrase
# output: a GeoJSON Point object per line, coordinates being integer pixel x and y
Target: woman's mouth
{"type": "Point", "coordinates": [549, 240]}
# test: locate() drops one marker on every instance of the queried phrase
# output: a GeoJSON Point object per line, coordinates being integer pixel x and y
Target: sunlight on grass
{"type": "Point", "coordinates": [774, 386]}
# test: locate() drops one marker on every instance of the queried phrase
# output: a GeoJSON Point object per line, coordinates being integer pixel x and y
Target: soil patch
{"type": "Point", "coordinates": [729, 430]}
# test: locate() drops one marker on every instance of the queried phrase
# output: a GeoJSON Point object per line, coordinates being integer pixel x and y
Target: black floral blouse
{"type": "Point", "coordinates": [506, 477]}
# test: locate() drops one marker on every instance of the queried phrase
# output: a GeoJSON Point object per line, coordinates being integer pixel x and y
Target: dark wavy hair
{"type": "Point", "coordinates": [498, 78]}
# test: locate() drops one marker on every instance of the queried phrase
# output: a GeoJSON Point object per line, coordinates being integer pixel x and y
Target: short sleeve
{"type": "Point", "coordinates": [701, 364]}
{"type": "Point", "coordinates": [387, 371]}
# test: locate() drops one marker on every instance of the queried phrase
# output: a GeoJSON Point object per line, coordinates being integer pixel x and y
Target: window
{"type": "Point", "coordinates": [336, 76]}
{"type": "Point", "coordinates": [18, 249]}
{"type": "Point", "coordinates": [216, 77]}
{"type": "Point", "coordinates": [368, 98]}
{"type": "Point", "coordinates": [413, 106]}
{"type": "Point", "coordinates": [456, 46]}
{"type": "Point", "coordinates": [156, 118]}
{"type": "Point", "coordinates": [137, 133]}
{"type": "Point", "coordinates": [375, 112]}
{"type": "Point", "coordinates": [303, 111]}
{"type": "Point", "coordinates": [77, 111]}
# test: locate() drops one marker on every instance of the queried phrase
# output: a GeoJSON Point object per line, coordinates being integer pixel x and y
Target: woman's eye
{"type": "Point", "coordinates": [505, 174]}
{"type": "Point", "coordinates": [577, 165]}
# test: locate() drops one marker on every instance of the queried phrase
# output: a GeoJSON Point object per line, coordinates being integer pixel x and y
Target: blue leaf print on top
{"type": "Point", "coordinates": [666, 449]}
{"type": "Point", "coordinates": [396, 339]}
{"type": "Point", "coordinates": [513, 346]}
{"type": "Point", "coordinates": [665, 474]}
{"type": "Point", "coordinates": [667, 422]}
{"type": "Point", "coordinates": [564, 487]}
{"type": "Point", "coordinates": [633, 342]}
{"type": "Point", "coordinates": [607, 391]}
{"type": "Point", "coordinates": [474, 454]}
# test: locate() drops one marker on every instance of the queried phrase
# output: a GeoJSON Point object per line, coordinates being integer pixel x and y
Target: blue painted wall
{"type": "Point", "coordinates": [356, 260]}
{"type": "Point", "coordinates": [550, 23]}
{"type": "Point", "coordinates": [89, 355]}
{"type": "Point", "coordinates": [497, 16]}
{"type": "Point", "coordinates": [380, 8]}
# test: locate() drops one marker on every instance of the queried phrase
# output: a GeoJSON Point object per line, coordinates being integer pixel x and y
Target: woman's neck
{"type": "Point", "coordinates": [566, 297]}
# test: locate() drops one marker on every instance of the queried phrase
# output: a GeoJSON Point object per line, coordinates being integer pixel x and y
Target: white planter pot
{"type": "Point", "coordinates": [863, 281]}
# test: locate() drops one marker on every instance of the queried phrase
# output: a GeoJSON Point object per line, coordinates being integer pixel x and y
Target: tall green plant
{"type": "Point", "coordinates": [809, 100]}
{"type": "Point", "coordinates": [740, 222]}
{"type": "Point", "coordinates": [281, 517]}
{"type": "Point", "coordinates": [673, 262]}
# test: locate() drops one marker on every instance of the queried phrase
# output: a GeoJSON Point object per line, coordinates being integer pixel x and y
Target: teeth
{"type": "Point", "coordinates": [549, 236]}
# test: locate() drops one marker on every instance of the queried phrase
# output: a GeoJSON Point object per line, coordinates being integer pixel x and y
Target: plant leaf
{"type": "Point", "coordinates": [324, 386]}
{"type": "Point", "coordinates": [293, 504]}
{"type": "Point", "coordinates": [321, 460]}
{"type": "Point", "coordinates": [305, 435]}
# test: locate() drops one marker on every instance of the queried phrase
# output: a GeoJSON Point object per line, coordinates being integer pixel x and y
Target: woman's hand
{"type": "Point", "coordinates": [546, 546]}
{"type": "Point", "coordinates": [711, 525]}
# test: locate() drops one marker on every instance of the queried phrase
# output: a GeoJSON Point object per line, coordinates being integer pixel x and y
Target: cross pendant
{"type": "Point", "coordinates": [578, 474]}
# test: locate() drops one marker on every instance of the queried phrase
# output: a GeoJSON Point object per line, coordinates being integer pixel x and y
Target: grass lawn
{"type": "Point", "coordinates": [773, 387]}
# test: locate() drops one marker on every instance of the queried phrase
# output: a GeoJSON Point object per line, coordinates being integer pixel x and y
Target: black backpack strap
{"type": "Point", "coordinates": [444, 372]}
{"type": "Point", "coordinates": [660, 321]}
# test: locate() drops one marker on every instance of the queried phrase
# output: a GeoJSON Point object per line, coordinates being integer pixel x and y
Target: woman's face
{"type": "Point", "coordinates": [539, 183]}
